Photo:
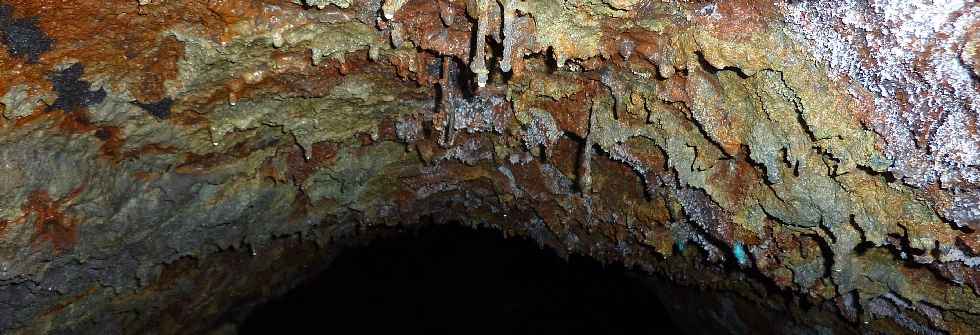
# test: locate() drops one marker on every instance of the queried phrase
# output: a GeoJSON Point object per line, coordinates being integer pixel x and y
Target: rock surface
{"type": "Point", "coordinates": [818, 160]}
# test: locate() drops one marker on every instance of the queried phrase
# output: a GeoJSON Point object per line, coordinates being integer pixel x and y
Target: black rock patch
{"type": "Point", "coordinates": [73, 92]}
{"type": "Point", "coordinates": [103, 134]}
{"type": "Point", "coordinates": [6, 14]}
{"type": "Point", "coordinates": [159, 109]}
{"type": "Point", "coordinates": [22, 37]}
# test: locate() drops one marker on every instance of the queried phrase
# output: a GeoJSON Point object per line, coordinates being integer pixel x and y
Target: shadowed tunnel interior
{"type": "Point", "coordinates": [453, 279]}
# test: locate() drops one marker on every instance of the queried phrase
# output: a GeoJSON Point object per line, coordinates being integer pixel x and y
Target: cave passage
{"type": "Point", "coordinates": [454, 279]}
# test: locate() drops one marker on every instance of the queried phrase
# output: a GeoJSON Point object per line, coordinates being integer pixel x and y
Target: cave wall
{"type": "Point", "coordinates": [164, 160]}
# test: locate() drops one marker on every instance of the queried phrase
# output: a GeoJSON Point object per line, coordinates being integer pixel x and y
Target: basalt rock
{"type": "Point", "coordinates": [815, 164]}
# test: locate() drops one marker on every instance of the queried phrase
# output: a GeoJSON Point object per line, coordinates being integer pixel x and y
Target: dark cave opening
{"type": "Point", "coordinates": [454, 279]}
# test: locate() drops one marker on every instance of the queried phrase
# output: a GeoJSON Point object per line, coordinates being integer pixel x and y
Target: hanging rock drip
{"type": "Point", "coordinates": [481, 11]}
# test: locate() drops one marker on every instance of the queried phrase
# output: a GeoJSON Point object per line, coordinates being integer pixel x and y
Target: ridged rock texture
{"type": "Point", "coordinates": [167, 163]}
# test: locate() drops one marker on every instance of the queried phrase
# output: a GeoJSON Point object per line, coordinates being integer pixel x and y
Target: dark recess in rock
{"type": "Point", "coordinates": [454, 279]}
{"type": "Point", "coordinates": [159, 109]}
{"type": "Point", "coordinates": [73, 92]}
{"type": "Point", "coordinates": [22, 37]}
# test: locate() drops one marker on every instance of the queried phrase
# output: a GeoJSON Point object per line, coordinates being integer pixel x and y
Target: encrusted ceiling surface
{"type": "Point", "coordinates": [801, 153]}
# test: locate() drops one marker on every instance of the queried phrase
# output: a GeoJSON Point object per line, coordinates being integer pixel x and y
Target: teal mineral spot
{"type": "Point", "coordinates": [740, 255]}
{"type": "Point", "coordinates": [681, 245]}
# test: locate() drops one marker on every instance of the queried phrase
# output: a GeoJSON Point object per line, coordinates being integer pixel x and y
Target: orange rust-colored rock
{"type": "Point", "coordinates": [51, 224]}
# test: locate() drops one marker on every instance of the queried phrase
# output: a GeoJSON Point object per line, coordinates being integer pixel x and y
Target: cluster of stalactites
{"type": "Point", "coordinates": [481, 11]}
{"type": "Point", "coordinates": [478, 63]}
